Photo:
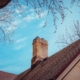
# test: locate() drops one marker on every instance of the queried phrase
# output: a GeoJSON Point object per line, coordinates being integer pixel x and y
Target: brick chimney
{"type": "Point", "coordinates": [40, 50]}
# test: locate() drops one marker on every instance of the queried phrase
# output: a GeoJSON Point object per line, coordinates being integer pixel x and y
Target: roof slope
{"type": "Point", "coordinates": [50, 68]}
{"type": "Point", "coordinates": [20, 76]}
{"type": "Point", "coordinates": [7, 76]}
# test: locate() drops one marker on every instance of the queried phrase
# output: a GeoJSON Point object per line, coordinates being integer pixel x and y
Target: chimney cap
{"type": "Point", "coordinates": [41, 40]}
{"type": "Point", "coordinates": [37, 37]}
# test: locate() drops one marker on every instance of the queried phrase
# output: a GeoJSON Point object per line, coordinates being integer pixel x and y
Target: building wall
{"type": "Point", "coordinates": [72, 72]}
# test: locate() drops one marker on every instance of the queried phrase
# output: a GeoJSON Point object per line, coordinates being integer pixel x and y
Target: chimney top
{"type": "Point", "coordinates": [40, 50]}
{"type": "Point", "coordinates": [41, 40]}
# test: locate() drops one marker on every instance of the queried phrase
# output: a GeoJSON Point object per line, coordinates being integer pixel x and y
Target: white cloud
{"type": "Point", "coordinates": [30, 17]}
{"type": "Point", "coordinates": [34, 16]}
{"type": "Point", "coordinates": [44, 13]}
{"type": "Point", "coordinates": [11, 28]}
{"type": "Point", "coordinates": [31, 10]}
{"type": "Point", "coordinates": [16, 22]}
{"type": "Point", "coordinates": [41, 24]}
{"type": "Point", "coordinates": [21, 9]}
{"type": "Point", "coordinates": [21, 40]}
{"type": "Point", "coordinates": [19, 47]}
{"type": "Point", "coordinates": [24, 26]}
{"type": "Point", "coordinates": [17, 11]}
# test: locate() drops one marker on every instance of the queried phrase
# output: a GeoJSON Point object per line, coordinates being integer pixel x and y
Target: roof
{"type": "Point", "coordinates": [51, 68]}
{"type": "Point", "coordinates": [7, 76]}
{"type": "Point", "coordinates": [20, 76]}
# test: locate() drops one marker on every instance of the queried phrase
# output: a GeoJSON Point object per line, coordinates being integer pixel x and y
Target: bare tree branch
{"type": "Point", "coordinates": [5, 22]}
{"type": "Point", "coordinates": [52, 6]}
{"type": "Point", "coordinates": [70, 37]}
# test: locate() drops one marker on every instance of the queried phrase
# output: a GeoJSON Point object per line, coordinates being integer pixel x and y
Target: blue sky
{"type": "Point", "coordinates": [16, 57]}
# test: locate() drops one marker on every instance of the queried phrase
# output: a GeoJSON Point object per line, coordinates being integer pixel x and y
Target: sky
{"type": "Point", "coordinates": [16, 57]}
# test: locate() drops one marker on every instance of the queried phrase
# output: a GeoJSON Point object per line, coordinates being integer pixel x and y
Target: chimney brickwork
{"type": "Point", "coordinates": [40, 50]}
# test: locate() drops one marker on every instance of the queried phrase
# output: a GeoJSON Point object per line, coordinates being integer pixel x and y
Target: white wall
{"type": "Point", "coordinates": [72, 72]}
